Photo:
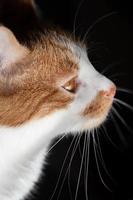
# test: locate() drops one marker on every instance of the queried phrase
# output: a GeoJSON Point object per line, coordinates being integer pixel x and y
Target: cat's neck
{"type": "Point", "coordinates": [22, 152]}
{"type": "Point", "coordinates": [32, 132]}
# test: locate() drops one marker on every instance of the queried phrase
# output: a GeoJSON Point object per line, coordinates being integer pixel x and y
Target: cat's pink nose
{"type": "Point", "coordinates": [110, 92]}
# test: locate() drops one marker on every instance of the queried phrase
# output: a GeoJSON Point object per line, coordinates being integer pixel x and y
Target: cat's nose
{"type": "Point", "coordinates": [110, 92]}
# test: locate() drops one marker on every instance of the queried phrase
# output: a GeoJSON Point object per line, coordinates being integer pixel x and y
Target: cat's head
{"type": "Point", "coordinates": [53, 80]}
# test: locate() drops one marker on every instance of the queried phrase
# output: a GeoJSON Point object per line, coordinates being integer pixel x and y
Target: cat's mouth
{"type": "Point", "coordinates": [99, 107]}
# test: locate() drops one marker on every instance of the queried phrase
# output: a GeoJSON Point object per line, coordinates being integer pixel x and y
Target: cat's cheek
{"type": "Point", "coordinates": [96, 112]}
{"type": "Point", "coordinates": [94, 120]}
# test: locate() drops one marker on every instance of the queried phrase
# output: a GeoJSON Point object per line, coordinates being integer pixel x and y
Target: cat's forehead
{"type": "Point", "coordinates": [75, 46]}
{"type": "Point", "coordinates": [57, 53]}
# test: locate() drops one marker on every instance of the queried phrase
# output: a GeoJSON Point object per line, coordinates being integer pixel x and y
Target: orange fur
{"type": "Point", "coordinates": [99, 107]}
{"type": "Point", "coordinates": [32, 87]}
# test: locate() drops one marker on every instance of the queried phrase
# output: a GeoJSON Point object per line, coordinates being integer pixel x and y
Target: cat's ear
{"type": "Point", "coordinates": [11, 51]}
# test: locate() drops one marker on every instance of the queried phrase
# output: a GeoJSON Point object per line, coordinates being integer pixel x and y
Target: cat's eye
{"type": "Point", "coordinates": [72, 85]}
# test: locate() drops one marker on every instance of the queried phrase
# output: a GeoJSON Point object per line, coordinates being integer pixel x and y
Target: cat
{"type": "Point", "coordinates": [48, 87]}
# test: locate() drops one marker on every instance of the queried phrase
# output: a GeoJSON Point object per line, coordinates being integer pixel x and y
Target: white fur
{"type": "Point", "coordinates": [10, 50]}
{"type": "Point", "coordinates": [23, 149]}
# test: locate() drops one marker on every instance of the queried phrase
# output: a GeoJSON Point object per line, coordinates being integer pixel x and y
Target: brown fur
{"type": "Point", "coordinates": [32, 87]}
{"type": "Point", "coordinates": [99, 107]}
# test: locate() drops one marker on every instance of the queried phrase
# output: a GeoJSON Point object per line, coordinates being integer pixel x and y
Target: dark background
{"type": "Point", "coordinates": [110, 46]}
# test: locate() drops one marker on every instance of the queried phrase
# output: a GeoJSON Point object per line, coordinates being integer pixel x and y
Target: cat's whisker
{"type": "Point", "coordinates": [122, 120]}
{"type": "Point", "coordinates": [116, 75]}
{"type": "Point", "coordinates": [107, 136]}
{"type": "Point", "coordinates": [68, 151]}
{"type": "Point", "coordinates": [80, 170]}
{"type": "Point", "coordinates": [124, 90]}
{"type": "Point", "coordinates": [79, 147]}
{"type": "Point", "coordinates": [87, 164]}
{"type": "Point", "coordinates": [73, 153]}
{"type": "Point", "coordinates": [110, 66]}
{"type": "Point", "coordinates": [75, 18]}
{"type": "Point", "coordinates": [98, 167]}
{"type": "Point", "coordinates": [96, 22]}
{"type": "Point", "coordinates": [101, 156]}
{"type": "Point", "coordinates": [124, 104]}
{"type": "Point", "coordinates": [118, 130]}
{"type": "Point", "coordinates": [94, 46]}
{"type": "Point", "coordinates": [116, 103]}
{"type": "Point", "coordinates": [85, 159]}
{"type": "Point", "coordinates": [73, 34]}
{"type": "Point", "coordinates": [68, 171]}
{"type": "Point", "coordinates": [56, 143]}
{"type": "Point", "coordinates": [91, 50]}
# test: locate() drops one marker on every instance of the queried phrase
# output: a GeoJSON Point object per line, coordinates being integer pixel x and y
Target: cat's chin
{"type": "Point", "coordinates": [89, 125]}
{"type": "Point", "coordinates": [92, 124]}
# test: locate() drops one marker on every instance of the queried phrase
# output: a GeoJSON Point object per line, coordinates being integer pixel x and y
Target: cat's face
{"type": "Point", "coordinates": [54, 78]}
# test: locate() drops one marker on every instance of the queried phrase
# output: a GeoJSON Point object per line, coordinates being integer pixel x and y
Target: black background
{"type": "Point", "coordinates": [110, 46]}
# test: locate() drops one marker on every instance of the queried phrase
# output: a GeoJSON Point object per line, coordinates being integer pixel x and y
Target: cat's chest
{"type": "Point", "coordinates": [20, 168]}
{"type": "Point", "coordinates": [22, 154]}
{"type": "Point", "coordinates": [18, 179]}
